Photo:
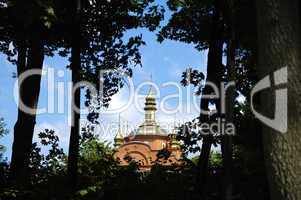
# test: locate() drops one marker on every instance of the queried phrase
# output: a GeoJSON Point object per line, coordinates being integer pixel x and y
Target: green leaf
{"type": "Point", "coordinates": [83, 192]}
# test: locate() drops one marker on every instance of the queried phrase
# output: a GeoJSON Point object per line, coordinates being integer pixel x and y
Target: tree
{"type": "Point", "coordinates": [24, 26]}
{"type": "Point", "coordinates": [227, 140]}
{"type": "Point", "coordinates": [98, 44]}
{"type": "Point", "coordinates": [207, 32]}
{"type": "Point", "coordinates": [207, 24]}
{"type": "Point", "coordinates": [279, 46]}
{"type": "Point", "coordinates": [75, 66]}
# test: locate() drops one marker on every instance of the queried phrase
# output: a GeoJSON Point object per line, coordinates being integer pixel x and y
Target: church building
{"type": "Point", "coordinates": [149, 143]}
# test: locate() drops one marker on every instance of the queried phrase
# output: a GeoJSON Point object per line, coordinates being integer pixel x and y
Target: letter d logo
{"type": "Point", "coordinates": [279, 122]}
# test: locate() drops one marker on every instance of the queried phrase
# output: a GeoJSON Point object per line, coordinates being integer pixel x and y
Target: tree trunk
{"type": "Point", "coordinates": [29, 92]}
{"type": "Point", "coordinates": [74, 134]}
{"type": "Point", "coordinates": [279, 46]}
{"type": "Point", "coordinates": [214, 68]}
{"type": "Point", "coordinates": [75, 105]}
{"type": "Point", "coordinates": [227, 143]}
{"type": "Point", "coordinates": [227, 140]}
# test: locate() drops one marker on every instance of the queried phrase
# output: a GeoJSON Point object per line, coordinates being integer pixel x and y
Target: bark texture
{"type": "Point", "coordinates": [214, 68]}
{"type": "Point", "coordinates": [28, 59]}
{"type": "Point", "coordinates": [75, 105]}
{"type": "Point", "coordinates": [227, 140]}
{"type": "Point", "coordinates": [279, 46]}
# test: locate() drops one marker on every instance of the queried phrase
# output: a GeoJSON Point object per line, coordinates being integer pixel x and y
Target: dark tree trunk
{"type": "Point", "coordinates": [227, 140]}
{"type": "Point", "coordinates": [75, 114]}
{"type": "Point", "coordinates": [214, 69]}
{"type": "Point", "coordinates": [29, 92]}
{"type": "Point", "coordinates": [279, 46]}
{"type": "Point", "coordinates": [227, 143]}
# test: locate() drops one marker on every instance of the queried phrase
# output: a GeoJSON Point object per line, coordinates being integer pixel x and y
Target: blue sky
{"type": "Point", "coordinates": [164, 61]}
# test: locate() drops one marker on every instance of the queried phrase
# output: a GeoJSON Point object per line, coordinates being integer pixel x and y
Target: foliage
{"type": "Point", "coordinates": [3, 132]}
{"type": "Point", "coordinates": [47, 167]}
{"type": "Point", "coordinates": [215, 160]}
{"type": "Point", "coordinates": [3, 163]}
{"type": "Point", "coordinates": [102, 178]}
{"type": "Point", "coordinates": [108, 49]}
{"type": "Point", "coordinates": [42, 166]}
{"type": "Point", "coordinates": [19, 19]}
{"type": "Point", "coordinates": [190, 23]}
{"type": "Point", "coordinates": [96, 160]}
